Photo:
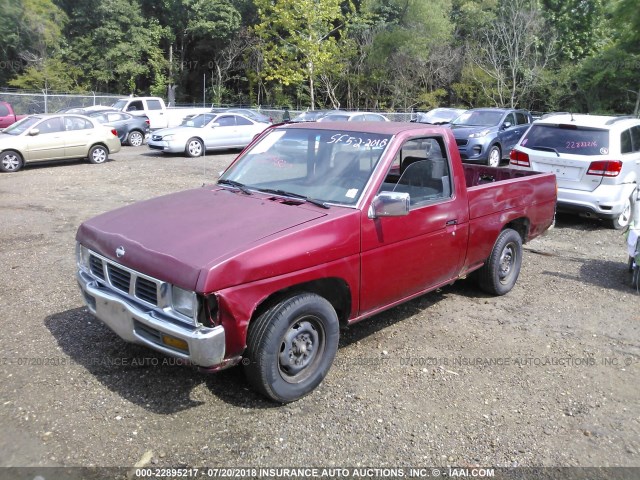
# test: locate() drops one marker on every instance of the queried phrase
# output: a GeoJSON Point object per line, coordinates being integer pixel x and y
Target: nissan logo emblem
{"type": "Point", "coordinates": [120, 252]}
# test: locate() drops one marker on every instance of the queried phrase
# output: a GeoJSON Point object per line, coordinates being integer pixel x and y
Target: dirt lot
{"type": "Point", "coordinates": [547, 375]}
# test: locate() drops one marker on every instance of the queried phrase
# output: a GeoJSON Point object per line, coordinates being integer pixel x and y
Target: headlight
{"type": "Point", "coordinates": [167, 137]}
{"type": "Point", "coordinates": [480, 134]}
{"type": "Point", "coordinates": [82, 256]}
{"type": "Point", "coordinates": [184, 301]}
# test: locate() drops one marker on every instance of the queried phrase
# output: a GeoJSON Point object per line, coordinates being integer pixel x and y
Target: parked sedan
{"type": "Point", "coordinates": [132, 130]}
{"type": "Point", "coordinates": [207, 131]}
{"type": "Point", "coordinates": [247, 112]}
{"type": "Point", "coordinates": [353, 117]}
{"type": "Point", "coordinates": [54, 137]}
{"type": "Point", "coordinates": [311, 115]}
{"type": "Point", "coordinates": [439, 116]}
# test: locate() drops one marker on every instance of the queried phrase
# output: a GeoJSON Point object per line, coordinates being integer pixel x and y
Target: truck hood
{"type": "Point", "coordinates": [174, 237]}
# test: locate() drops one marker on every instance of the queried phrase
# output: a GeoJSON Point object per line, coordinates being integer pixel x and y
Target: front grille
{"type": "Point", "coordinates": [461, 142]}
{"type": "Point", "coordinates": [122, 279]}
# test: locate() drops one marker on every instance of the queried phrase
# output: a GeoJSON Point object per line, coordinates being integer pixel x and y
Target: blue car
{"type": "Point", "coordinates": [487, 135]}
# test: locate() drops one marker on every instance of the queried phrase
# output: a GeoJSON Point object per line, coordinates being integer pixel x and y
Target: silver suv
{"type": "Point", "coordinates": [596, 160]}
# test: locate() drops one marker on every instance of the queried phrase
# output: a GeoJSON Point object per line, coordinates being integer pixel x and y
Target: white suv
{"type": "Point", "coordinates": [596, 160]}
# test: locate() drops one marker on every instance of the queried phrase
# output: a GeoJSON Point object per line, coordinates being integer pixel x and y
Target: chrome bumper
{"type": "Point", "coordinates": [133, 323]}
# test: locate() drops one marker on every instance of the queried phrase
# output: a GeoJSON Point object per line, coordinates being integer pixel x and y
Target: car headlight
{"type": "Point", "coordinates": [184, 301]}
{"type": "Point", "coordinates": [167, 137]}
{"type": "Point", "coordinates": [480, 134]}
{"type": "Point", "coordinates": [82, 256]}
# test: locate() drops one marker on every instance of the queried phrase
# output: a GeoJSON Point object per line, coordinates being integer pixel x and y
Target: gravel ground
{"type": "Point", "coordinates": [547, 375]}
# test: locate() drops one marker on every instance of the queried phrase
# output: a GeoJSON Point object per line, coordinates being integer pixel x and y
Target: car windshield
{"type": "Point", "coordinates": [335, 117]}
{"type": "Point", "coordinates": [21, 126]}
{"type": "Point", "coordinates": [199, 121]}
{"type": "Point", "coordinates": [438, 115]}
{"type": "Point", "coordinates": [326, 165]}
{"type": "Point", "coordinates": [478, 118]}
{"type": "Point", "coordinates": [119, 105]}
{"type": "Point", "coordinates": [568, 139]}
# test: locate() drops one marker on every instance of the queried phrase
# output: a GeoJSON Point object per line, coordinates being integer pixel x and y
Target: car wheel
{"type": "Point", "coordinates": [10, 161]}
{"type": "Point", "coordinates": [291, 347]}
{"type": "Point", "coordinates": [135, 138]}
{"type": "Point", "coordinates": [98, 154]}
{"type": "Point", "coordinates": [494, 157]}
{"type": "Point", "coordinates": [194, 147]}
{"type": "Point", "coordinates": [624, 218]}
{"type": "Point", "coordinates": [499, 274]}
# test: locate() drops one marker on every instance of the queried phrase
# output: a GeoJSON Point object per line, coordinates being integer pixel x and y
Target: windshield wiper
{"type": "Point", "coordinates": [297, 196]}
{"type": "Point", "coordinates": [545, 149]}
{"type": "Point", "coordinates": [238, 185]}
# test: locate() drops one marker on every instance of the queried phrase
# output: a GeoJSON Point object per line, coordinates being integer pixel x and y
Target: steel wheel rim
{"type": "Point", "coordinates": [508, 258]}
{"type": "Point", "coordinates": [301, 349]}
{"type": "Point", "coordinates": [10, 162]}
{"type": "Point", "coordinates": [99, 155]}
{"type": "Point", "coordinates": [135, 139]}
{"type": "Point", "coordinates": [195, 148]}
{"type": "Point", "coordinates": [494, 157]}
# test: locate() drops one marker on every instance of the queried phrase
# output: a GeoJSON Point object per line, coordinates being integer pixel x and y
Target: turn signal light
{"type": "Point", "coordinates": [519, 158]}
{"type": "Point", "coordinates": [605, 168]}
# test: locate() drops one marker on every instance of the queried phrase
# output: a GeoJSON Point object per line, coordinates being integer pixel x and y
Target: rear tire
{"type": "Point", "coordinates": [622, 221]}
{"type": "Point", "coordinates": [135, 138]}
{"type": "Point", "coordinates": [291, 347]}
{"type": "Point", "coordinates": [10, 161]}
{"type": "Point", "coordinates": [499, 274]}
{"type": "Point", "coordinates": [194, 147]}
{"type": "Point", "coordinates": [98, 154]}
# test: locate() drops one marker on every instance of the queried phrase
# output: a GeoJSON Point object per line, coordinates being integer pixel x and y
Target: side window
{"type": "Point", "coordinates": [154, 105]}
{"type": "Point", "coordinates": [50, 125]}
{"type": "Point", "coordinates": [511, 118]}
{"type": "Point", "coordinates": [243, 121]}
{"type": "Point", "coordinates": [635, 138]}
{"type": "Point", "coordinates": [4, 111]}
{"type": "Point", "coordinates": [136, 105]}
{"type": "Point", "coordinates": [522, 118]}
{"type": "Point", "coordinates": [76, 123]}
{"type": "Point", "coordinates": [625, 142]}
{"type": "Point", "coordinates": [226, 121]}
{"type": "Point", "coordinates": [420, 169]}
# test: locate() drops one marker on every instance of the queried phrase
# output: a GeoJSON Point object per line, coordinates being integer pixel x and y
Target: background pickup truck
{"type": "Point", "coordinates": [7, 115]}
{"type": "Point", "coordinates": [313, 226]}
{"type": "Point", "coordinates": [160, 116]}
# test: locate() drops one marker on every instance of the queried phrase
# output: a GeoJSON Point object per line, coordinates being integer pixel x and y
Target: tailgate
{"type": "Point", "coordinates": [570, 170]}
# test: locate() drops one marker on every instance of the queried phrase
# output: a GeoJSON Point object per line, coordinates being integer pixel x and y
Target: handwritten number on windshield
{"type": "Point", "coordinates": [357, 142]}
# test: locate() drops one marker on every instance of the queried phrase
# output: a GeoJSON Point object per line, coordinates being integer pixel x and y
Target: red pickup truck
{"type": "Point", "coordinates": [313, 226]}
{"type": "Point", "coordinates": [7, 115]}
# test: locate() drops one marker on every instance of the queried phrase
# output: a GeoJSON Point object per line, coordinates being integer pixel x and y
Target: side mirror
{"type": "Point", "coordinates": [506, 125]}
{"type": "Point", "coordinates": [389, 204]}
{"type": "Point", "coordinates": [34, 131]}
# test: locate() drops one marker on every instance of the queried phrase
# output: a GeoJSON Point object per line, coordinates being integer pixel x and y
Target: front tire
{"type": "Point", "coordinates": [291, 347]}
{"type": "Point", "coordinates": [10, 161]}
{"type": "Point", "coordinates": [194, 147]}
{"type": "Point", "coordinates": [98, 154]}
{"type": "Point", "coordinates": [499, 274]}
{"type": "Point", "coordinates": [622, 220]}
{"type": "Point", "coordinates": [494, 157]}
{"type": "Point", "coordinates": [135, 139]}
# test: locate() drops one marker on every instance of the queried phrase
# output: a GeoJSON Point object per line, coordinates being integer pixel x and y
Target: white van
{"type": "Point", "coordinates": [596, 160]}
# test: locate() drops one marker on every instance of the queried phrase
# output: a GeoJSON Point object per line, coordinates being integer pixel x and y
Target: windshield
{"type": "Point", "coordinates": [21, 126]}
{"type": "Point", "coordinates": [439, 115]}
{"type": "Point", "coordinates": [478, 118]}
{"type": "Point", "coordinates": [199, 121]}
{"type": "Point", "coordinates": [327, 165]}
{"type": "Point", "coordinates": [119, 105]}
{"type": "Point", "coordinates": [567, 139]}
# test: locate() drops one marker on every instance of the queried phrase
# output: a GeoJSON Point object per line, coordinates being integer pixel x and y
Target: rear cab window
{"type": "Point", "coordinates": [567, 139]}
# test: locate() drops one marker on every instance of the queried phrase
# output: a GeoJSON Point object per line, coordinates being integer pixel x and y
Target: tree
{"type": "Point", "coordinates": [512, 53]}
{"type": "Point", "coordinates": [300, 40]}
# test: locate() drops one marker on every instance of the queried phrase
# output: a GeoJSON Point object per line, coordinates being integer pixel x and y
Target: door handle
{"type": "Point", "coordinates": [451, 222]}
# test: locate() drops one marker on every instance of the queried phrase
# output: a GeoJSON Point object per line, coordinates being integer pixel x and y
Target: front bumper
{"type": "Point", "coordinates": [166, 146]}
{"type": "Point", "coordinates": [136, 324]}
{"type": "Point", "coordinates": [474, 150]}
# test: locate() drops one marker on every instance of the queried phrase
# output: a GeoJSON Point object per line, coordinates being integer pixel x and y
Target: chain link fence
{"type": "Point", "coordinates": [27, 103]}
